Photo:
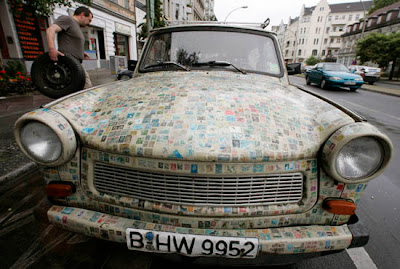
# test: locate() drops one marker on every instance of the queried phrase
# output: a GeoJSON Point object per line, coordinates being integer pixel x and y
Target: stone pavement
{"type": "Point", "coordinates": [385, 87]}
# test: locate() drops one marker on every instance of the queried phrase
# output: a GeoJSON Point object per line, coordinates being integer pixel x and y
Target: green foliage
{"type": "Point", "coordinates": [43, 8]}
{"type": "Point", "coordinates": [13, 79]}
{"type": "Point", "coordinates": [312, 60]}
{"type": "Point", "coordinates": [158, 20]}
{"type": "Point", "coordinates": [379, 48]}
{"type": "Point", "coordinates": [378, 4]}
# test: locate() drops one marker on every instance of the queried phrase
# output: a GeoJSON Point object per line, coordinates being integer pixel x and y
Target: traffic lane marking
{"type": "Point", "coordinates": [361, 258]}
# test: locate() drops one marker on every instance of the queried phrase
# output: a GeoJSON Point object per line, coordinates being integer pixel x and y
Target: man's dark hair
{"type": "Point", "coordinates": [83, 10]}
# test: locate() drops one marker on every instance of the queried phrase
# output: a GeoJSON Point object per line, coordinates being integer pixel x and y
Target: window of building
{"type": "Point", "coordinates": [126, 4]}
{"type": "Point", "coordinates": [299, 54]}
{"type": "Point", "coordinates": [305, 30]}
{"type": "Point", "coordinates": [321, 9]}
{"type": "Point", "coordinates": [294, 43]}
{"type": "Point", "coordinates": [334, 29]}
{"type": "Point", "coordinates": [379, 19]}
{"type": "Point", "coordinates": [330, 18]}
{"type": "Point", "coordinates": [357, 17]}
{"type": "Point", "coordinates": [323, 52]}
{"type": "Point", "coordinates": [177, 12]}
{"type": "Point", "coordinates": [302, 42]}
{"type": "Point", "coordinates": [301, 30]}
{"type": "Point", "coordinates": [332, 39]}
{"type": "Point", "coordinates": [287, 44]}
{"type": "Point", "coordinates": [292, 53]}
{"type": "Point", "coordinates": [327, 29]}
{"type": "Point", "coordinates": [314, 52]}
{"type": "Point", "coordinates": [398, 15]}
{"type": "Point", "coordinates": [389, 16]}
{"type": "Point", "coordinates": [325, 41]}
{"type": "Point", "coordinates": [343, 17]}
{"type": "Point", "coordinates": [286, 52]}
{"type": "Point", "coordinates": [341, 29]}
{"type": "Point", "coordinates": [350, 17]}
{"type": "Point", "coordinates": [369, 23]}
{"type": "Point", "coordinates": [338, 40]}
{"type": "Point", "coordinates": [336, 17]}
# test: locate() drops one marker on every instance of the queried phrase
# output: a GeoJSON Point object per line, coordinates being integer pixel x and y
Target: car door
{"type": "Point", "coordinates": [312, 74]}
{"type": "Point", "coordinates": [318, 73]}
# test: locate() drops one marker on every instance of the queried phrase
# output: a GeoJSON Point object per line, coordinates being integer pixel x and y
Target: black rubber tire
{"type": "Point", "coordinates": [308, 82]}
{"type": "Point", "coordinates": [70, 75]}
{"type": "Point", "coordinates": [371, 83]}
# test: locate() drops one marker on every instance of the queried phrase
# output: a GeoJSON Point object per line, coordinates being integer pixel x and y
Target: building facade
{"type": "Point", "coordinates": [318, 30]}
{"type": "Point", "coordinates": [384, 20]}
{"type": "Point", "coordinates": [110, 39]}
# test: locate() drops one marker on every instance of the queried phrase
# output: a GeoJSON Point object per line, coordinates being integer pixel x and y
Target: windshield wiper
{"type": "Point", "coordinates": [166, 64]}
{"type": "Point", "coordinates": [218, 63]}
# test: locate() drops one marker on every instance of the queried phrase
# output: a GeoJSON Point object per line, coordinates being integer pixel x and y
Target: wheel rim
{"type": "Point", "coordinates": [57, 75]}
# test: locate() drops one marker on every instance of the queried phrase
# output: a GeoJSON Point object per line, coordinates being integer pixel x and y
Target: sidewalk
{"type": "Point", "coordinates": [383, 88]}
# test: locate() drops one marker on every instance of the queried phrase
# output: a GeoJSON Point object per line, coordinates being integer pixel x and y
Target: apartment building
{"type": "Point", "coordinates": [318, 29]}
{"type": "Point", "coordinates": [186, 10]}
{"type": "Point", "coordinates": [384, 20]}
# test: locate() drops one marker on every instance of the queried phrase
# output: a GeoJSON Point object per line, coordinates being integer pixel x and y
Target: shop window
{"type": "Point", "coordinates": [121, 45]}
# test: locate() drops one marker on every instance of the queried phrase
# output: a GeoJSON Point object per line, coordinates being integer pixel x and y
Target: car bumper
{"type": "Point", "coordinates": [339, 84]}
{"type": "Point", "coordinates": [286, 240]}
{"type": "Point", "coordinates": [371, 78]}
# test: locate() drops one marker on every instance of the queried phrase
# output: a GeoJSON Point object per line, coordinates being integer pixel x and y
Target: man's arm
{"type": "Point", "coordinates": [51, 38]}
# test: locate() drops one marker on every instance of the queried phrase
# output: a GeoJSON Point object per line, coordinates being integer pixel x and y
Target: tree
{"type": "Point", "coordinates": [381, 49]}
{"type": "Point", "coordinates": [312, 60]}
{"type": "Point", "coordinates": [43, 8]}
{"type": "Point", "coordinates": [378, 4]}
{"type": "Point", "coordinates": [159, 20]}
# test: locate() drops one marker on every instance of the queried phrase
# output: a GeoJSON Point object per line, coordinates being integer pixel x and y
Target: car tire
{"type": "Point", "coordinates": [322, 85]}
{"type": "Point", "coordinates": [124, 77]}
{"type": "Point", "coordinates": [57, 79]}
{"type": "Point", "coordinates": [353, 89]}
{"type": "Point", "coordinates": [308, 82]}
{"type": "Point", "coordinates": [371, 83]}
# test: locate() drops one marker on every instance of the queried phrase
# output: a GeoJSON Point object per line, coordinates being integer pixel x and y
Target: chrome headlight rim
{"type": "Point", "coordinates": [347, 134]}
{"type": "Point", "coordinates": [59, 125]}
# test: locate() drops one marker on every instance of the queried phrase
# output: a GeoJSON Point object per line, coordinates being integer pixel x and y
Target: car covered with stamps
{"type": "Point", "coordinates": [207, 152]}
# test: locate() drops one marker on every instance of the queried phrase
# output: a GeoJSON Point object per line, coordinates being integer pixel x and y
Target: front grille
{"type": "Point", "coordinates": [197, 189]}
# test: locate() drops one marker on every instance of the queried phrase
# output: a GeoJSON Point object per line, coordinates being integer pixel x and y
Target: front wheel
{"type": "Point", "coordinates": [353, 89]}
{"type": "Point", "coordinates": [308, 82]}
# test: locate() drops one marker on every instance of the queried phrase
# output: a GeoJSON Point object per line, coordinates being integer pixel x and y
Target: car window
{"type": "Point", "coordinates": [250, 52]}
{"type": "Point", "coordinates": [335, 67]}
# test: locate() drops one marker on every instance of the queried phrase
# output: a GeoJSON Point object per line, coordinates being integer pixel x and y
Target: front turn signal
{"type": "Point", "coordinates": [60, 189]}
{"type": "Point", "coordinates": [340, 206]}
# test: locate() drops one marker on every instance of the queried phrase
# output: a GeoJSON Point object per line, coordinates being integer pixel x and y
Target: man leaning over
{"type": "Point", "coordinates": [70, 37]}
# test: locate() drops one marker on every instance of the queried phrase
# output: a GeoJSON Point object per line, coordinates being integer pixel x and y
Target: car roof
{"type": "Point", "coordinates": [213, 25]}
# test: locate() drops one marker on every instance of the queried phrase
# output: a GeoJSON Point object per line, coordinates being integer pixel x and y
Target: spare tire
{"type": "Point", "coordinates": [60, 78]}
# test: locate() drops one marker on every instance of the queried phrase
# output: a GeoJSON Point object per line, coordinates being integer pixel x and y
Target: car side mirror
{"type": "Point", "coordinates": [293, 68]}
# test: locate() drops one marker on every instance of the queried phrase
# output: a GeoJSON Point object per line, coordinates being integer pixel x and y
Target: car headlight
{"type": "Point", "coordinates": [359, 79]}
{"type": "Point", "coordinates": [46, 137]}
{"type": "Point", "coordinates": [359, 158]}
{"type": "Point", "coordinates": [356, 153]}
{"type": "Point", "coordinates": [335, 78]}
{"type": "Point", "coordinates": [41, 142]}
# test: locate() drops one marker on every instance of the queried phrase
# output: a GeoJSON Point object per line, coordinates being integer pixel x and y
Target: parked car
{"type": "Point", "coordinates": [333, 75]}
{"type": "Point", "coordinates": [124, 74]}
{"type": "Point", "coordinates": [207, 152]}
{"type": "Point", "coordinates": [369, 74]}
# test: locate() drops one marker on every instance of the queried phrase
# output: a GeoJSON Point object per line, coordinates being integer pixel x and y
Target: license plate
{"type": "Point", "coordinates": [350, 83]}
{"type": "Point", "coordinates": [191, 245]}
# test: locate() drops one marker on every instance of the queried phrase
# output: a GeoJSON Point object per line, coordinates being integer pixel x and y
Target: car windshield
{"type": "Point", "coordinates": [335, 67]}
{"type": "Point", "coordinates": [189, 50]}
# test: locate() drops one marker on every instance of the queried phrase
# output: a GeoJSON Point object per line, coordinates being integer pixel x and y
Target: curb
{"type": "Point", "coordinates": [11, 179]}
{"type": "Point", "coordinates": [380, 91]}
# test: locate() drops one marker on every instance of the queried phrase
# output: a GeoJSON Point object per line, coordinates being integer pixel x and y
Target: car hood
{"type": "Point", "coordinates": [203, 116]}
{"type": "Point", "coordinates": [345, 75]}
